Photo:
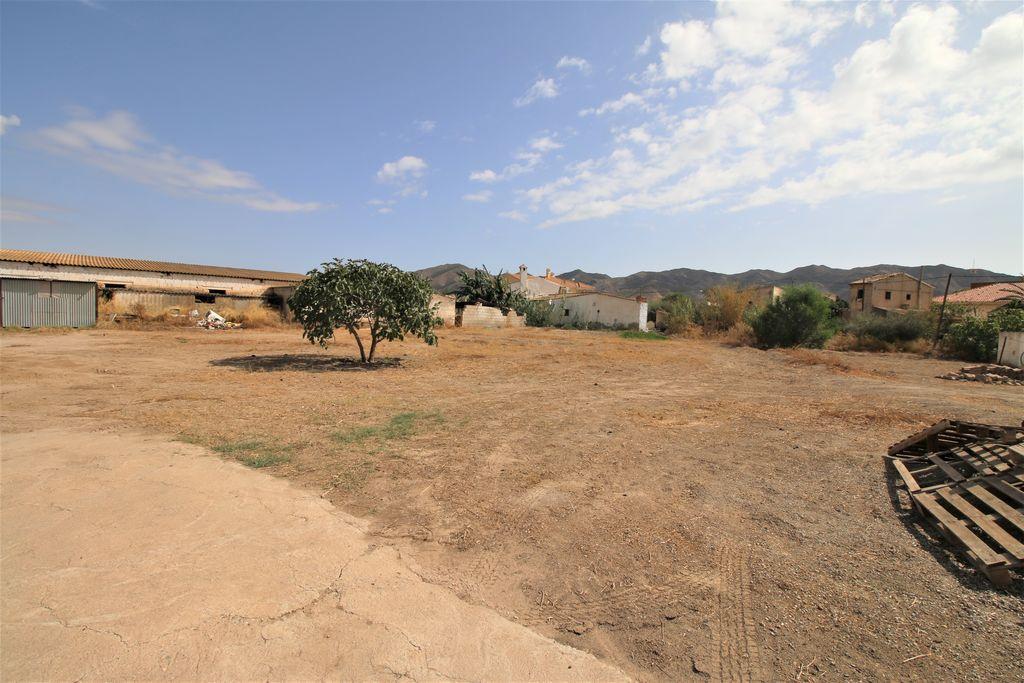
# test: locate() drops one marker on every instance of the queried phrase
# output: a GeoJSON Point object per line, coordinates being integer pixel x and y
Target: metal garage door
{"type": "Point", "coordinates": [47, 303]}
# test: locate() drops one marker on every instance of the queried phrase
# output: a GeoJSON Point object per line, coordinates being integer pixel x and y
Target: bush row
{"type": "Point", "coordinates": [805, 317]}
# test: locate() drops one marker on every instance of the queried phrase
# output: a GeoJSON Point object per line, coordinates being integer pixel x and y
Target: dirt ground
{"type": "Point", "coordinates": [681, 509]}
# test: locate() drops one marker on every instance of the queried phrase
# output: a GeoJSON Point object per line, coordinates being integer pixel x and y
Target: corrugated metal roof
{"type": "Point", "coordinates": [116, 263]}
{"type": "Point", "coordinates": [985, 294]}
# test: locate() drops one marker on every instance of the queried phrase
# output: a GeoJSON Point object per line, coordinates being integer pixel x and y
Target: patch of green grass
{"type": "Point", "coordinates": [400, 426]}
{"type": "Point", "coordinates": [263, 460]}
{"type": "Point", "coordinates": [254, 452]}
{"type": "Point", "coordinates": [637, 334]}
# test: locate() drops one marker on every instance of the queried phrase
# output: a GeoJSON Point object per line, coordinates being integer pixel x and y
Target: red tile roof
{"type": "Point", "coordinates": [984, 294]}
{"type": "Point", "coordinates": [116, 263]}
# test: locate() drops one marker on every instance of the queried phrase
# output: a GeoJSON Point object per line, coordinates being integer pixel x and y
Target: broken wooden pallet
{"type": "Point", "coordinates": [985, 515]}
{"type": "Point", "coordinates": [967, 479]}
{"type": "Point", "coordinates": [947, 434]}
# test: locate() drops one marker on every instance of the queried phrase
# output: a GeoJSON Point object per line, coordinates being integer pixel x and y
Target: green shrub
{"type": "Point", "coordinates": [537, 314]}
{"type": "Point", "coordinates": [680, 310]}
{"type": "Point", "coordinates": [800, 317]}
{"type": "Point", "coordinates": [977, 339]}
{"type": "Point", "coordinates": [890, 329]}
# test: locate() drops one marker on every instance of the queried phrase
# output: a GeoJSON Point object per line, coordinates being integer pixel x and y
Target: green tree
{"type": "Point", "coordinates": [481, 287]}
{"type": "Point", "coordinates": [800, 317]}
{"type": "Point", "coordinates": [348, 294]}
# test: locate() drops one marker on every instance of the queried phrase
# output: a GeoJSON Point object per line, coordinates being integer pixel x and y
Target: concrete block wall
{"type": "Point", "coordinates": [445, 308]}
{"type": "Point", "coordinates": [483, 316]}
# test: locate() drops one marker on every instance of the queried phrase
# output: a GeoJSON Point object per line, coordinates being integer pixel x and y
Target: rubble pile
{"type": "Point", "coordinates": [213, 321]}
{"type": "Point", "coordinates": [989, 374]}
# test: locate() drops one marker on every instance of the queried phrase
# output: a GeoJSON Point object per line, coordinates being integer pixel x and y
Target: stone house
{"type": "Point", "coordinates": [890, 292]}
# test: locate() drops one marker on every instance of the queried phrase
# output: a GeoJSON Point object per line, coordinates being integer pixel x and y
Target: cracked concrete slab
{"type": "Point", "coordinates": [133, 557]}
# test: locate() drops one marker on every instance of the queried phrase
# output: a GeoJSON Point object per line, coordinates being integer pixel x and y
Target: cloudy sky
{"type": "Point", "coordinates": [608, 137]}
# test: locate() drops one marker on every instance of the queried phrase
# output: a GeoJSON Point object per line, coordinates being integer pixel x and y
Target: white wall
{"type": "Point", "coordinates": [1011, 349]}
{"type": "Point", "coordinates": [138, 279]}
{"type": "Point", "coordinates": [600, 308]}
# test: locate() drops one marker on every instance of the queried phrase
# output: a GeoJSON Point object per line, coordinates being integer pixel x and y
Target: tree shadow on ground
{"type": "Point", "coordinates": [303, 362]}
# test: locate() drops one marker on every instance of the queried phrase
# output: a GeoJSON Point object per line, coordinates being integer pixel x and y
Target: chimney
{"type": "Point", "coordinates": [522, 277]}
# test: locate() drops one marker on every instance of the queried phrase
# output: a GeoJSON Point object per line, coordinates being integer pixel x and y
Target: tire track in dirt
{"type": "Point", "coordinates": [735, 631]}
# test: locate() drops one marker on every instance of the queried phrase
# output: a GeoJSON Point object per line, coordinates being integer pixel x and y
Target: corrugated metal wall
{"type": "Point", "coordinates": [47, 303]}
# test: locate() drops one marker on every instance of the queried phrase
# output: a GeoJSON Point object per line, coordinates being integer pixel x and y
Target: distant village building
{"type": "Point", "coordinates": [983, 298]}
{"type": "Point", "coordinates": [890, 292]}
{"type": "Point", "coordinates": [762, 295]}
{"type": "Point", "coordinates": [536, 286]}
{"type": "Point", "coordinates": [44, 289]}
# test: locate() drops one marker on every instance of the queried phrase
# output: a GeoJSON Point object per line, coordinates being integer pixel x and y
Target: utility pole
{"type": "Point", "coordinates": [920, 278]}
{"type": "Point", "coordinates": [942, 313]}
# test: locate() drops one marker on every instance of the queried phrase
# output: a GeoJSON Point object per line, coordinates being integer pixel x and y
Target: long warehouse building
{"type": "Point", "coordinates": [46, 289]}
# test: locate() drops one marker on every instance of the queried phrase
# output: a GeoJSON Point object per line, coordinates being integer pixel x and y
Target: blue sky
{"type": "Point", "coordinates": [609, 137]}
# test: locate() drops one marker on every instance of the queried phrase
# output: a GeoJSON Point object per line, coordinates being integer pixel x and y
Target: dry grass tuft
{"type": "Point", "coordinates": [740, 334]}
{"type": "Point", "coordinates": [254, 316]}
{"type": "Point", "coordinates": [810, 357]}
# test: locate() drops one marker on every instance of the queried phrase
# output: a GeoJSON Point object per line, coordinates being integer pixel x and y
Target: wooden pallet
{"type": "Point", "coordinates": [985, 516]}
{"type": "Point", "coordinates": [959, 464]}
{"type": "Point", "coordinates": [948, 434]}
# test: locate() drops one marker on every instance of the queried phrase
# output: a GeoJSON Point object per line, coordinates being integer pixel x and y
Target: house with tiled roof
{"type": "Point", "coordinates": [983, 298]}
{"type": "Point", "coordinates": [890, 293]}
{"type": "Point", "coordinates": [536, 286]}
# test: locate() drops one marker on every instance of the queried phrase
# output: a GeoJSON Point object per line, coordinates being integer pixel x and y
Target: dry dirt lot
{"type": "Point", "coordinates": [681, 509]}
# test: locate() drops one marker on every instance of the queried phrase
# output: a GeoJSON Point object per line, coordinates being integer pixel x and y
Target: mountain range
{"type": "Point", "coordinates": [445, 278]}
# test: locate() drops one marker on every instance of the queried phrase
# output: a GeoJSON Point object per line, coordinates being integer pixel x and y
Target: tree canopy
{"type": "Point", "coordinates": [350, 294]}
{"type": "Point", "coordinates": [480, 287]}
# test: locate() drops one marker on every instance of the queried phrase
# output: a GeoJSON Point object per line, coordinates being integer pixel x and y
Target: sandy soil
{"type": "Point", "coordinates": [681, 509]}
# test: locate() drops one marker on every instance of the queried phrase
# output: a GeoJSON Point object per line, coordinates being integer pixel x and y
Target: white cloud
{"type": "Point", "coordinates": [402, 170]}
{"type": "Point", "coordinates": [544, 144]}
{"type": "Point", "coordinates": [866, 13]}
{"type": "Point", "coordinates": [484, 176]}
{"type": "Point", "coordinates": [526, 160]}
{"type": "Point", "coordinates": [8, 122]}
{"type": "Point", "coordinates": [482, 197]}
{"type": "Point", "coordinates": [118, 144]}
{"type": "Point", "coordinates": [385, 209]}
{"type": "Point", "coordinates": [929, 107]}
{"type": "Point", "coordinates": [383, 205]}
{"type": "Point", "coordinates": [513, 215]}
{"type": "Point", "coordinates": [630, 99]}
{"type": "Point", "coordinates": [573, 63]}
{"type": "Point", "coordinates": [644, 47]}
{"type": "Point", "coordinates": [542, 89]}
{"type": "Point", "coordinates": [425, 126]}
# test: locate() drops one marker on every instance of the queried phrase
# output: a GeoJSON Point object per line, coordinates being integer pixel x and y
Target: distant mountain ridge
{"type": "Point", "coordinates": [444, 278]}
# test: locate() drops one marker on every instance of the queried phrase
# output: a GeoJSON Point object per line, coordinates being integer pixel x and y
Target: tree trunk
{"type": "Point", "coordinates": [373, 348]}
{"type": "Point", "coordinates": [359, 341]}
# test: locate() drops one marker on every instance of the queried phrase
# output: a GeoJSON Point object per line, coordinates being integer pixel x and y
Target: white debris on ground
{"type": "Point", "coordinates": [988, 374]}
{"type": "Point", "coordinates": [213, 321]}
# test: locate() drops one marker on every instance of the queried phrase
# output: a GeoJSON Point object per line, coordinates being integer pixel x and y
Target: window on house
{"type": "Point", "coordinates": [565, 312]}
{"type": "Point", "coordinates": [888, 296]}
{"type": "Point", "coordinates": [205, 299]}
{"type": "Point", "coordinates": [217, 291]}
{"type": "Point", "coordinates": [860, 293]}
{"type": "Point", "coordinates": [114, 285]}
{"type": "Point", "coordinates": [908, 297]}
